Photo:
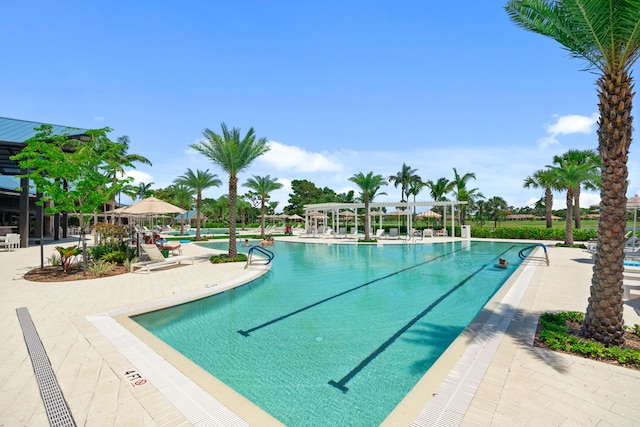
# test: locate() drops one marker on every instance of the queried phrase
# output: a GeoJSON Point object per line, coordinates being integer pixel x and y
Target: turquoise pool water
{"type": "Point", "coordinates": [192, 232]}
{"type": "Point", "coordinates": [337, 334]}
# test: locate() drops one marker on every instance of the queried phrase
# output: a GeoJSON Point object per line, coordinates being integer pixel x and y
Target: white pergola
{"type": "Point", "coordinates": [324, 208]}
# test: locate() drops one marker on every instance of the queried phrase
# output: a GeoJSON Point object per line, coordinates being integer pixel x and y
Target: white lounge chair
{"type": "Point", "coordinates": [427, 232]}
{"type": "Point", "coordinates": [442, 233]}
{"type": "Point", "coordinates": [157, 260]}
{"type": "Point", "coordinates": [353, 234]}
{"type": "Point", "coordinates": [342, 233]}
{"type": "Point", "coordinates": [379, 233]}
{"type": "Point", "coordinates": [311, 232]}
{"type": "Point", "coordinates": [393, 233]}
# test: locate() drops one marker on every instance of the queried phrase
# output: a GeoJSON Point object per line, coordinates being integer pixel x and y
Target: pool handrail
{"type": "Point", "coordinates": [270, 255]}
{"type": "Point", "coordinates": [523, 256]}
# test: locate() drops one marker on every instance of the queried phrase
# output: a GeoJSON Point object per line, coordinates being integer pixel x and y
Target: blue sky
{"type": "Point", "coordinates": [337, 87]}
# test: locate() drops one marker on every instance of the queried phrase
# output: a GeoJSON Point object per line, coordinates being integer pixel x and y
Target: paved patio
{"type": "Point", "coordinates": [516, 384]}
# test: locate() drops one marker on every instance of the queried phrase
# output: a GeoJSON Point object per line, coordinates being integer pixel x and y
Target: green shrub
{"type": "Point", "coordinates": [531, 233]}
{"type": "Point", "coordinates": [554, 333]}
{"type": "Point", "coordinates": [217, 259]}
{"type": "Point", "coordinates": [127, 262]}
{"type": "Point", "coordinates": [100, 267]}
{"type": "Point", "coordinates": [116, 257]}
{"type": "Point", "coordinates": [99, 251]}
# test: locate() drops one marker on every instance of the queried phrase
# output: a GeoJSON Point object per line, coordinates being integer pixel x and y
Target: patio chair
{"type": "Point", "coordinates": [157, 260]}
{"type": "Point", "coordinates": [309, 233]}
{"type": "Point", "coordinates": [427, 232]}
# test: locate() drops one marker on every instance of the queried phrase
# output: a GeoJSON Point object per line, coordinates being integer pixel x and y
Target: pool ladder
{"type": "Point", "coordinates": [267, 253]}
{"type": "Point", "coordinates": [546, 255]}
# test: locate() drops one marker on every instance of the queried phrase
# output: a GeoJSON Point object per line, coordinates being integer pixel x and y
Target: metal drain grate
{"type": "Point", "coordinates": [54, 403]}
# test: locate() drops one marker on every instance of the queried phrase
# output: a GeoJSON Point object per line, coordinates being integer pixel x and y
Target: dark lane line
{"type": "Point", "coordinates": [246, 332]}
{"type": "Point", "coordinates": [341, 384]}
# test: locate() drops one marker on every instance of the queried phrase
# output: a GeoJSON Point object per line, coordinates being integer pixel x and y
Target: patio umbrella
{"type": "Point", "coordinates": [150, 206]}
{"type": "Point", "coordinates": [296, 217]}
{"type": "Point", "coordinates": [428, 214]}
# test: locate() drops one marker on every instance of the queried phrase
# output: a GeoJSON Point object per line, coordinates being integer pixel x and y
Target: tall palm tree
{"type": "Point", "coordinates": [569, 176]}
{"type": "Point", "coordinates": [142, 191]}
{"type": "Point", "coordinates": [438, 190]}
{"type": "Point", "coordinates": [415, 187]}
{"type": "Point", "coordinates": [198, 181]}
{"type": "Point", "coordinates": [591, 182]}
{"type": "Point", "coordinates": [463, 194]}
{"type": "Point", "coordinates": [233, 153]}
{"type": "Point", "coordinates": [263, 185]}
{"type": "Point", "coordinates": [121, 158]}
{"type": "Point", "coordinates": [608, 39]}
{"type": "Point", "coordinates": [402, 178]}
{"type": "Point", "coordinates": [544, 178]}
{"type": "Point", "coordinates": [183, 197]}
{"type": "Point", "coordinates": [369, 184]}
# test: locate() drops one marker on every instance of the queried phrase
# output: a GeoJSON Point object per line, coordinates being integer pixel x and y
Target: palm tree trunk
{"type": "Point", "coordinates": [568, 234]}
{"type": "Point", "coordinates": [233, 188]}
{"type": "Point", "coordinates": [198, 206]}
{"type": "Point", "coordinates": [367, 220]}
{"type": "Point", "coordinates": [548, 207]}
{"type": "Point", "coordinates": [604, 315]}
{"type": "Point", "coordinates": [262, 217]}
{"type": "Point", "coordinates": [576, 207]}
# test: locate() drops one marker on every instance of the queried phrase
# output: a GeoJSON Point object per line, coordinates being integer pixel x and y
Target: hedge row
{"type": "Point", "coordinates": [532, 233]}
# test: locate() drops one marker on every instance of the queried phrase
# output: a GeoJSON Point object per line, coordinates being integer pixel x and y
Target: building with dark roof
{"type": "Point", "coordinates": [18, 211]}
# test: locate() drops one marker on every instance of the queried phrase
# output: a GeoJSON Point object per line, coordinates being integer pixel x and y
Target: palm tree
{"type": "Point", "coordinates": [608, 39]}
{"type": "Point", "coordinates": [463, 194]}
{"type": "Point", "coordinates": [592, 182]}
{"type": "Point", "coordinates": [544, 178]}
{"type": "Point", "coordinates": [403, 178]}
{"type": "Point", "coordinates": [142, 191]}
{"type": "Point", "coordinates": [233, 154]}
{"type": "Point", "coordinates": [198, 181]}
{"type": "Point", "coordinates": [415, 187]}
{"type": "Point", "coordinates": [121, 158]}
{"type": "Point", "coordinates": [439, 189]}
{"type": "Point", "coordinates": [495, 208]}
{"type": "Point", "coordinates": [183, 197]}
{"type": "Point", "coordinates": [569, 176]}
{"type": "Point", "coordinates": [369, 184]}
{"type": "Point", "coordinates": [263, 185]}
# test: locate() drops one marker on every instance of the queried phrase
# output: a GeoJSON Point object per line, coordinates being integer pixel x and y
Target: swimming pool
{"type": "Point", "coordinates": [337, 334]}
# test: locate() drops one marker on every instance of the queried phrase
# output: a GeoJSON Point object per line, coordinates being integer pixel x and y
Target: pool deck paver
{"type": "Point", "coordinates": [522, 385]}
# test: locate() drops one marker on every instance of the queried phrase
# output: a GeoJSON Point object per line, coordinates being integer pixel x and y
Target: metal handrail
{"type": "Point", "coordinates": [546, 255]}
{"type": "Point", "coordinates": [270, 255]}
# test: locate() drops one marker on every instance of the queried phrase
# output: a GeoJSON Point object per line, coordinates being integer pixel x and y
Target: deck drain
{"type": "Point", "coordinates": [54, 403]}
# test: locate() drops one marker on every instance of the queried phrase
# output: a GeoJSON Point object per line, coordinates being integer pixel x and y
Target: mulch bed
{"type": "Point", "coordinates": [54, 273]}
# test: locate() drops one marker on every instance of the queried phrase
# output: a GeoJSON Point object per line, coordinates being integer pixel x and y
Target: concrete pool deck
{"type": "Point", "coordinates": [520, 384]}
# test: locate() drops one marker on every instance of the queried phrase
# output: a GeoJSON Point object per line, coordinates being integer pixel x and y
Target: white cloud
{"type": "Point", "coordinates": [291, 158]}
{"type": "Point", "coordinates": [138, 176]}
{"type": "Point", "coordinates": [97, 118]}
{"type": "Point", "coordinates": [547, 141]}
{"type": "Point", "coordinates": [572, 123]}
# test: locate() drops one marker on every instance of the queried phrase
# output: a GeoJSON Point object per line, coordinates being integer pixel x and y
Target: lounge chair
{"type": "Point", "coordinates": [311, 232]}
{"type": "Point", "coordinates": [157, 260]}
{"type": "Point", "coordinates": [379, 233]}
{"type": "Point", "coordinates": [353, 234]}
{"type": "Point", "coordinates": [342, 233]}
{"type": "Point", "coordinates": [427, 232]}
{"type": "Point", "coordinates": [442, 233]}
{"type": "Point", "coordinates": [328, 233]}
{"type": "Point", "coordinates": [393, 234]}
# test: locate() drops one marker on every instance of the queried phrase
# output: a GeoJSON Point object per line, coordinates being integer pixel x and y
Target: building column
{"type": "Point", "coordinates": [23, 222]}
